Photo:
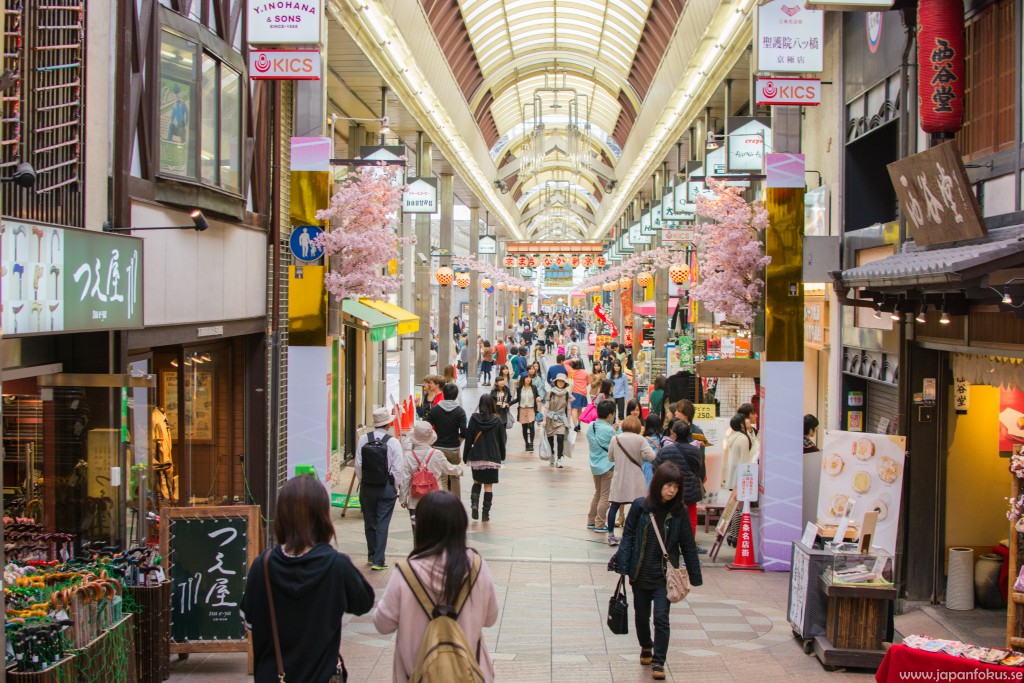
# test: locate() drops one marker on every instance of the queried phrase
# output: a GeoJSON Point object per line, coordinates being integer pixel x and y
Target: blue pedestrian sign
{"type": "Point", "coordinates": [302, 245]}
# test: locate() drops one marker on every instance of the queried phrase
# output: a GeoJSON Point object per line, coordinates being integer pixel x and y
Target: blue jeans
{"type": "Point", "coordinates": [613, 512]}
{"type": "Point", "coordinates": [378, 504]}
{"type": "Point", "coordinates": [642, 601]}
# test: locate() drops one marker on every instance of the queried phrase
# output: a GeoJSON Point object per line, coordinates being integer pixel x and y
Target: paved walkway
{"type": "Point", "coordinates": [553, 589]}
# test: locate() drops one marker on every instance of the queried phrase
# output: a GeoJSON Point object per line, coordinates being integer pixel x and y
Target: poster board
{"type": "Point", "coordinates": [868, 468]}
{"type": "Point", "coordinates": [199, 408]}
{"type": "Point", "coordinates": [208, 551]}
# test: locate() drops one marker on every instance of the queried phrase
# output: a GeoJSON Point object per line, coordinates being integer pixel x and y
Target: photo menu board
{"type": "Point", "coordinates": [868, 470]}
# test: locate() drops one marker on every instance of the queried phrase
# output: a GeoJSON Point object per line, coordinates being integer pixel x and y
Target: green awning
{"type": "Point", "coordinates": [363, 317]}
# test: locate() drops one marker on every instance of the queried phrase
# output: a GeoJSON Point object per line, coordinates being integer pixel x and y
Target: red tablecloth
{"type": "Point", "coordinates": [902, 663]}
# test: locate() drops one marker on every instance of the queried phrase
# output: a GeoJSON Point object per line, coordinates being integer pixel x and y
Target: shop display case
{"type": "Point", "coordinates": [850, 567]}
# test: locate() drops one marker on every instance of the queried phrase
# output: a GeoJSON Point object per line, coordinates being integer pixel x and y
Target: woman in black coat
{"type": "Point", "coordinates": [640, 558]}
{"type": "Point", "coordinates": [484, 451]}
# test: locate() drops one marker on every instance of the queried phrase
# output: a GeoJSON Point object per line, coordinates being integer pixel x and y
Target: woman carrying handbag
{"type": "Point", "coordinates": [296, 593]}
{"type": "Point", "coordinates": [657, 535]}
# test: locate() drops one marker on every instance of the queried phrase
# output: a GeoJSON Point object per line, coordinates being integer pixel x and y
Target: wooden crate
{"type": "Point", "coordinates": [61, 672]}
{"type": "Point", "coordinates": [104, 660]}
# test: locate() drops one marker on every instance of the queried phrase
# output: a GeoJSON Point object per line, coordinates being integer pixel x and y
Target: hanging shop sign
{"type": "Point", "coordinates": [748, 137]}
{"type": "Point", "coordinates": [936, 196]}
{"type": "Point", "coordinates": [677, 235]}
{"type": "Point", "coordinates": [940, 52]}
{"type": "Point", "coordinates": [284, 22]}
{"type": "Point", "coordinates": [797, 92]}
{"type": "Point", "coordinates": [636, 236]}
{"type": "Point", "coordinates": [65, 280]}
{"type": "Point", "coordinates": [961, 395]}
{"type": "Point", "coordinates": [790, 38]}
{"type": "Point", "coordinates": [656, 218]}
{"type": "Point", "coordinates": [487, 245]}
{"type": "Point", "coordinates": [420, 196]}
{"type": "Point", "coordinates": [284, 65]}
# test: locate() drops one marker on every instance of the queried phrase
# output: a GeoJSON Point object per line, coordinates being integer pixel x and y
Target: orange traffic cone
{"type": "Point", "coordinates": [745, 545]}
{"type": "Point", "coordinates": [409, 415]}
{"type": "Point", "coordinates": [397, 413]}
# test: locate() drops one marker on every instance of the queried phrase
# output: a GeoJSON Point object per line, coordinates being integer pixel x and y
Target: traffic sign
{"type": "Point", "coordinates": [301, 243]}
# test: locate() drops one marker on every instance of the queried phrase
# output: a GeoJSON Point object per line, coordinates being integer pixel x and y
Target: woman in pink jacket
{"type": "Point", "coordinates": [442, 561]}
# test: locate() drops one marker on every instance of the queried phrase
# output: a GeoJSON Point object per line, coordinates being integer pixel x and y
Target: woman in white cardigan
{"type": "Point", "coordinates": [627, 450]}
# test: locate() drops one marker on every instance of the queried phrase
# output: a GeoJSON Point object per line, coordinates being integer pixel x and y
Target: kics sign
{"type": "Point", "coordinates": [799, 92]}
{"type": "Point", "coordinates": [284, 65]}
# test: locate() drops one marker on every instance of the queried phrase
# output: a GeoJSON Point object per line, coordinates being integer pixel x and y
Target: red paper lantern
{"type": "Point", "coordinates": [523, 261]}
{"type": "Point", "coordinates": [533, 261]}
{"type": "Point", "coordinates": [644, 279]}
{"type": "Point", "coordinates": [601, 261]}
{"type": "Point", "coordinates": [561, 260]}
{"type": "Point", "coordinates": [588, 261]}
{"type": "Point", "coordinates": [510, 261]}
{"type": "Point", "coordinates": [485, 283]}
{"type": "Point", "coordinates": [940, 54]}
{"type": "Point", "coordinates": [548, 261]}
{"type": "Point", "coordinates": [574, 261]}
{"type": "Point", "coordinates": [445, 276]}
{"type": "Point", "coordinates": [679, 272]}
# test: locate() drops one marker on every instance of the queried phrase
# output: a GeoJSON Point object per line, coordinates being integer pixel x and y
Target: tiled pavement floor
{"type": "Point", "coordinates": [553, 590]}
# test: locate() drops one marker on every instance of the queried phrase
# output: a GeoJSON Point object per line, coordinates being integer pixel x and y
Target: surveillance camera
{"type": "Point", "coordinates": [422, 256]}
{"type": "Point", "coordinates": [24, 175]}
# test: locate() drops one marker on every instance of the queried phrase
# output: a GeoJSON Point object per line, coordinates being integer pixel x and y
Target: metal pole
{"type": "Point", "coordinates": [473, 324]}
{"type": "Point", "coordinates": [422, 350]}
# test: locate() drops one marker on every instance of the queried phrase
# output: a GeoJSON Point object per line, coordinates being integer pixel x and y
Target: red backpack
{"type": "Point", "coordinates": [423, 480]}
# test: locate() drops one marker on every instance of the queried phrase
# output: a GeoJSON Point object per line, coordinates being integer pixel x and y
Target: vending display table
{"type": "Point", "coordinates": [902, 663]}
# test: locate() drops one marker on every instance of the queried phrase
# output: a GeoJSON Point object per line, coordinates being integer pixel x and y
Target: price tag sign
{"type": "Point", "coordinates": [746, 487]}
{"type": "Point", "coordinates": [703, 411]}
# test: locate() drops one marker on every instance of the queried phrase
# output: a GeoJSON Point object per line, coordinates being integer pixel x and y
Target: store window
{"type": "Point", "coordinates": [989, 84]}
{"type": "Point", "coordinates": [200, 114]}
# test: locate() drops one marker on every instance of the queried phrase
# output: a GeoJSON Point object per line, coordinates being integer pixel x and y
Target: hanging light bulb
{"type": "Point", "coordinates": [944, 318]}
{"type": "Point", "coordinates": [920, 314]}
{"type": "Point", "coordinates": [1006, 296]}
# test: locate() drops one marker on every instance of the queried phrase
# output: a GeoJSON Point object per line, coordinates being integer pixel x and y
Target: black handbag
{"type": "Point", "coordinates": [618, 609]}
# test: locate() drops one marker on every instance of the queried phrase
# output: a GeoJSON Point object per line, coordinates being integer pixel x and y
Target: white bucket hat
{"type": "Point", "coordinates": [423, 434]}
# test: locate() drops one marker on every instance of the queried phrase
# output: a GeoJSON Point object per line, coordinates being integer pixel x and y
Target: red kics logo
{"type": "Point", "coordinates": [284, 64]}
{"type": "Point", "coordinates": [262, 63]}
{"type": "Point", "coordinates": [789, 91]}
{"type": "Point", "coordinates": [790, 11]}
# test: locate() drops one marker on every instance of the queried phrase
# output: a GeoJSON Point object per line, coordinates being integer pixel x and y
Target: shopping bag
{"type": "Point", "coordinates": [589, 413]}
{"type": "Point", "coordinates": [543, 447]}
{"type": "Point", "coordinates": [570, 443]}
{"type": "Point", "coordinates": [618, 609]}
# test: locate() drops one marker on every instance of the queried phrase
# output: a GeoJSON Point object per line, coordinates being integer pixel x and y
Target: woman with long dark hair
{"type": "Point", "coordinates": [484, 451]}
{"type": "Point", "coordinates": [641, 559]}
{"type": "Point", "coordinates": [312, 586]}
{"type": "Point", "coordinates": [620, 387]}
{"type": "Point", "coordinates": [441, 563]}
{"type": "Point", "coordinates": [486, 363]}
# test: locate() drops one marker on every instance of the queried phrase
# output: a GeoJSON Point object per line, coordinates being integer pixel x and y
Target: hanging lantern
{"type": "Point", "coordinates": [500, 286]}
{"type": "Point", "coordinates": [612, 286]}
{"type": "Point", "coordinates": [522, 261]}
{"type": "Point", "coordinates": [510, 261]}
{"type": "Point", "coordinates": [485, 283]}
{"type": "Point", "coordinates": [940, 54]}
{"type": "Point", "coordinates": [561, 260]}
{"type": "Point", "coordinates": [601, 262]}
{"type": "Point", "coordinates": [462, 280]}
{"type": "Point", "coordinates": [548, 261]}
{"type": "Point", "coordinates": [679, 272]}
{"type": "Point", "coordinates": [445, 276]}
{"type": "Point", "coordinates": [588, 261]}
{"type": "Point", "coordinates": [644, 279]}
{"type": "Point", "coordinates": [533, 261]}
{"type": "Point", "coordinates": [625, 282]}
{"type": "Point", "coordinates": [574, 261]}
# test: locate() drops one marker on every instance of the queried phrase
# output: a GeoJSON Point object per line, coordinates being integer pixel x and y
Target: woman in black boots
{"type": "Point", "coordinates": [528, 399]}
{"type": "Point", "coordinates": [484, 451]}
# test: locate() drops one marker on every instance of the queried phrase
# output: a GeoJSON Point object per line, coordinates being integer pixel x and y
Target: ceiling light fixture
{"type": "Point", "coordinates": [920, 314]}
{"type": "Point", "coordinates": [1006, 296]}
{"type": "Point", "coordinates": [944, 318]}
{"type": "Point", "coordinates": [896, 315]}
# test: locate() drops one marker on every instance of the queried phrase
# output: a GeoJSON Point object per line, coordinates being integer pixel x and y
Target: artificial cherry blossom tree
{"type": "Point", "coordinates": [729, 253]}
{"type": "Point", "coordinates": [363, 215]}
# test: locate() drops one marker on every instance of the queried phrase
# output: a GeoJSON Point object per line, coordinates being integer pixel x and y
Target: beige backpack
{"type": "Point", "coordinates": [445, 655]}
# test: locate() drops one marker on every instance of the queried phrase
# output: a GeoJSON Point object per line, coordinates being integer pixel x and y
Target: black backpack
{"type": "Point", "coordinates": [375, 461]}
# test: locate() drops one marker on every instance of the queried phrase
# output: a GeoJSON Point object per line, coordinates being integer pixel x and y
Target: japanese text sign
{"type": "Point", "coordinates": [790, 38]}
{"type": "Point", "coordinates": [961, 395]}
{"type": "Point", "coordinates": [935, 196]}
{"type": "Point", "coordinates": [65, 280]}
{"type": "Point", "coordinates": [420, 196]}
{"type": "Point", "coordinates": [209, 551]}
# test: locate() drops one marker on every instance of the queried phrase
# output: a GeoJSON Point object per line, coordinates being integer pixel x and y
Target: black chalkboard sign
{"type": "Point", "coordinates": [208, 551]}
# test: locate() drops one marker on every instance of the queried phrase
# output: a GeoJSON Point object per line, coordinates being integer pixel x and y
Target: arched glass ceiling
{"type": "Point", "coordinates": [604, 33]}
{"type": "Point", "coordinates": [558, 226]}
{"type": "Point", "coordinates": [570, 188]}
{"type": "Point", "coordinates": [516, 132]}
{"type": "Point", "coordinates": [507, 107]}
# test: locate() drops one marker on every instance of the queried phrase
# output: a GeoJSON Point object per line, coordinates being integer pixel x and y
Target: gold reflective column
{"type": "Point", "coordinates": [783, 291]}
